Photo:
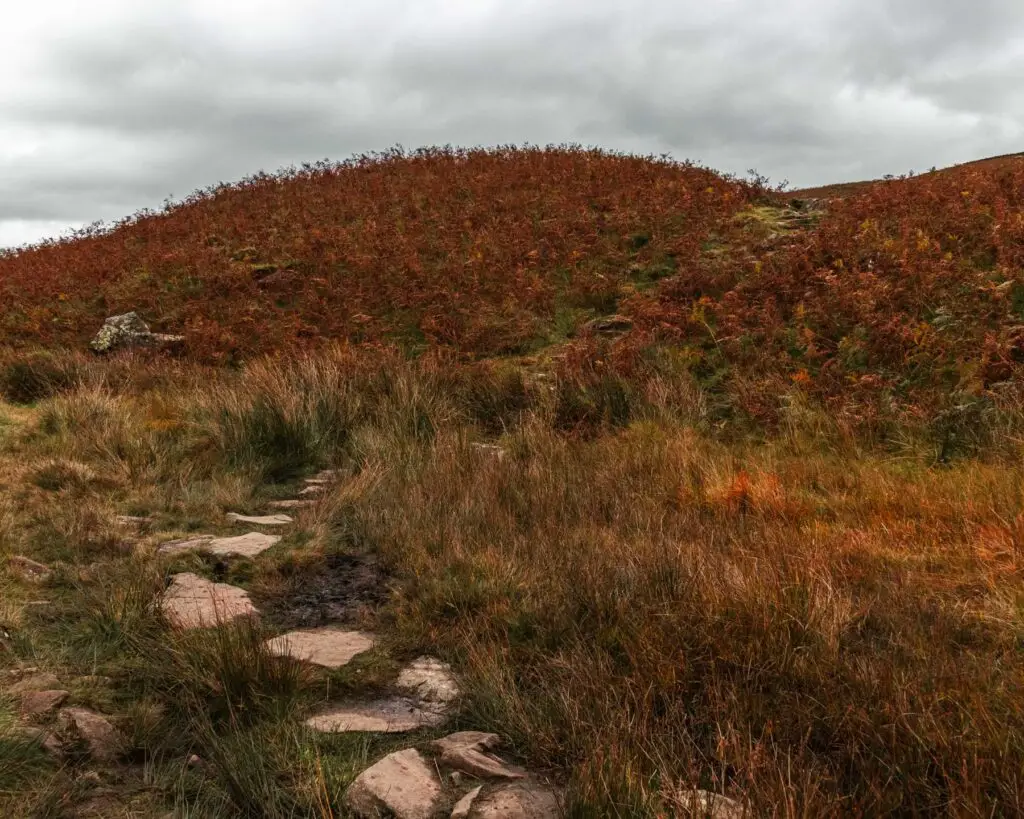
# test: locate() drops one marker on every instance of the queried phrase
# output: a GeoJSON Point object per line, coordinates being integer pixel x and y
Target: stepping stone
{"type": "Point", "coordinates": [312, 489]}
{"type": "Point", "coordinates": [393, 716]}
{"type": "Point", "coordinates": [260, 520]}
{"type": "Point", "coordinates": [401, 785]}
{"type": "Point", "coordinates": [96, 731]}
{"type": "Point", "coordinates": [489, 449]}
{"type": "Point", "coordinates": [324, 476]}
{"type": "Point", "coordinates": [290, 504]}
{"type": "Point", "coordinates": [467, 752]}
{"type": "Point", "coordinates": [465, 804]}
{"type": "Point", "coordinates": [192, 601]}
{"type": "Point", "coordinates": [248, 545]}
{"type": "Point", "coordinates": [430, 680]}
{"type": "Point", "coordinates": [35, 703]}
{"type": "Point", "coordinates": [329, 647]}
{"type": "Point", "coordinates": [29, 570]}
{"type": "Point", "coordinates": [520, 800]}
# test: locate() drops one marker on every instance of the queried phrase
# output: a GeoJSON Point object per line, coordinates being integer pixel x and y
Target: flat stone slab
{"type": "Point", "coordinates": [430, 680]}
{"type": "Point", "coordinates": [329, 647]}
{"type": "Point", "coordinates": [401, 785]}
{"type": "Point", "coordinates": [391, 716]}
{"type": "Point", "coordinates": [132, 520]}
{"type": "Point", "coordinates": [520, 800]}
{"type": "Point", "coordinates": [468, 752]}
{"type": "Point", "coordinates": [260, 520]}
{"type": "Point", "coordinates": [290, 504]}
{"type": "Point", "coordinates": [465, 804]}
{"type": "Point", "coordinates": [247, 545]}
{"type": "Point", "coordinates": [312, 490]}
{"type": "Point", "coordinates": [192, 601]}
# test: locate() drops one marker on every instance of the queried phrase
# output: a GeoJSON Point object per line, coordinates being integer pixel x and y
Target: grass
{"type": "Point", "coordinates": [639, 603]}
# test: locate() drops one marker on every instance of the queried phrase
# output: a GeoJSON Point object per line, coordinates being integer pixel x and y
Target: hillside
{"type": "Point", "coordinates": [675, 492]}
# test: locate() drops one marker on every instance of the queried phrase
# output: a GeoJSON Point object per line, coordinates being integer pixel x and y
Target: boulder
{"type": "Point", "coordinates": [38, 703]}
{"type": "Point", "coordinates": [129, 331]}
{"type": "Point", "coordinates": [519, 800]}
{"type": "Point", "coordinates": [329, 647]}
{"type": "Point", "coordinates": [96, 731]}
{"type": "Point", "coordinates": [34, 680]}
{"type": "Point", "coordinates": [467, 752]}
{"type": "Point", "coordinates": [402, 785]}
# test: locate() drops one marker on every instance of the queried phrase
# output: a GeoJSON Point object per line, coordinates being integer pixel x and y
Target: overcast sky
{"type": "Point", "coordinates": [108, 106]}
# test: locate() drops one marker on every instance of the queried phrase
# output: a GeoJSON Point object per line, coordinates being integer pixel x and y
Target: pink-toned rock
{"type": "Point", "coordinates": [394, 716]}
{"type": "Point", "coordinates": [192, 601]}
{"type": "Point", "coordinates": [312, 490]}
{"type": "Point", "coordinates": [247, 545]}
{"type": "Point", "coordinates": [519, 800]}
{"type": "Point", "coordinates": [401, 785]}
{"type": "Point", "coordinates": [260, 520]}
{"type": "Point", "coordinates": [291, 504]}
{"type": "Point", "coordinates": [329, 647]}
{"type": "Point", "coordinates": [47, 741]}
{"type": "Point", "coordinates": [467, 751]}
{"type": "Point", "coordinates": [29, 570]}
{"type": "Point", "coordinates": [96, 731]}
{"type": "Point", "coordinates": [34, 680]}
{"type": "Point", "coordinates": [708, 805]}
{"type": "Point", "coordinates": [37, 703]}
{"type": "Point", "coordinates": [430, 680]}
{"type": "Point", "coordinates": [465, 804]}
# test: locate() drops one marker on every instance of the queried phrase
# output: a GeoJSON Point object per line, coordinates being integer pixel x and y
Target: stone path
{"type": "Point", "coordinates": [260, 520]}
{"type": "Point", "coordinates": [247, 545]}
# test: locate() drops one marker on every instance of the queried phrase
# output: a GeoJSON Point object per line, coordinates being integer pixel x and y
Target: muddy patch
{"type": "Point", "coordinates": [335, 592]}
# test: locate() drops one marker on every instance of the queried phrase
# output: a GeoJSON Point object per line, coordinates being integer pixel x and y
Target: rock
{"type": "Point", "coordinates": [35, 681]}
{"type": "Point", "coordinates": [465, 804]}
{"type": "Point", "coordinates": [132, 520]}
{"type": "Point", "coordinates": [97, 733]}
{"type": "Point", "coordinates": [329, 647]}
{"type": "Point", "coordinates": [36, 703]}
{"type": "Point", "coordinates": [324, 476]}
{"type": "Point", "coordinates": [28, 570]}
{"type": "Point", "coordinates": [707, 805]}
{"type": "Point", "coordinates": [430, 680]}
{"type": "Point", "coordinates": [290, 504]}
{"type": "Point", "coordinates": [466, 751]}
{"type": "Point", "coordinates": [46, 740]}
{"type": "Point", "coordinates": [312, 490]}
{"type": "Point", "coordinates": [489, 449]}
{"type": "Point", "coordinates": [261, 520]}
{"type": "Point", "coordinates": [392, 716]}
{"type": "Point", "coordinates": [192, 601]}
{"type": "Point", "coordinates": [608, 325]}
{"type": "Point", "coordinates": [128, 331]}
{"type": "Point", "coordinates": [402, 785]}
{"type": "Point", "coordinates": [521, 800]}
{"type": "Point", "coordinates": [247, 545]}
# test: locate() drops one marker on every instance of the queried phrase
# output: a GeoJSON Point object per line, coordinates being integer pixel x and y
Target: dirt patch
{"type": "Point", "coordinates": [333, 593]}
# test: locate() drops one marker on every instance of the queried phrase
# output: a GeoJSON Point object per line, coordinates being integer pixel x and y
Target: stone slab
{"type": "Point", "coordinates": [329, 647]}
{"type": "Point", "coordinates": [192, 601]}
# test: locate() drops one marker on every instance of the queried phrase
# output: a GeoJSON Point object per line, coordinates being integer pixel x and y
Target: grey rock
{"type": "Point", "coordinates": [129, 331]}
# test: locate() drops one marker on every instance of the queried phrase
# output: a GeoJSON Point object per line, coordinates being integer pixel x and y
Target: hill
{"type": "Point", "coordinates": [678, 485]}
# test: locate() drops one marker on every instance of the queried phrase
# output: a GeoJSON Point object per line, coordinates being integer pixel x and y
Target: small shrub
{"type": "Point", "coordinates": [29, 378]}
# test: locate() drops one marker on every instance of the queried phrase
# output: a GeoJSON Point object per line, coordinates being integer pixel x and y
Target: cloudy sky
{"type": "Point", "coordinates": [108, 106]}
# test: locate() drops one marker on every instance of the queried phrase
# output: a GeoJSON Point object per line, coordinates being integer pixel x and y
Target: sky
{"type": "Point", "coordinates": [111, 106]}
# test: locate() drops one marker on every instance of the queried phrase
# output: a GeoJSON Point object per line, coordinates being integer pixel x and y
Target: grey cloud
{"type": "Point", "coordinates": [164, 98]}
